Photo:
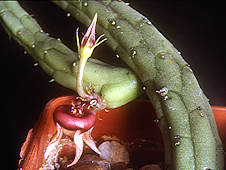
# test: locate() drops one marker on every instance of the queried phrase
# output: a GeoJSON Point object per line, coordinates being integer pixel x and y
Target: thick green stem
{"type": "Point", "coordinates": [116, 85]}
{"type": "Point", "coordinates": [186, 118]}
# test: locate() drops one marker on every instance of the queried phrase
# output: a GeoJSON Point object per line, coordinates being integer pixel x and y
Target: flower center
{"type": "Point", "coordinates": [76, 116]}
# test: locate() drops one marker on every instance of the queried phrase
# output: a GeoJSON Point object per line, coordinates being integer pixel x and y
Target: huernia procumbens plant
{"type": "Point", "coordinates": [185, 117]}
{"type": "Point", "coordinates": [78, 118]}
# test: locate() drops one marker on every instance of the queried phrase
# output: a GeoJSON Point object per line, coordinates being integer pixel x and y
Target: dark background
{"type": "Point", "coordinates": [197, 30]}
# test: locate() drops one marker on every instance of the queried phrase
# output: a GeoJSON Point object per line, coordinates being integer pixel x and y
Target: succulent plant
{"type": "Point", "coordinates": [184, 114]}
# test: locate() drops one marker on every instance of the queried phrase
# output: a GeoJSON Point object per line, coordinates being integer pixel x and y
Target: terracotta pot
{"type": "Point", "coordinates": [133, 123]}
{"type": "Point", "coordinates": [220, 117]}
{"type": "Point", "coordinates": [136, 120]}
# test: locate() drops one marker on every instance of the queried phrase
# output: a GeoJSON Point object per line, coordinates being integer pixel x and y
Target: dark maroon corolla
{"type": "Point", "coordinates": [78, 116]}
{"type": "Point", "coordinates": [76, 119]}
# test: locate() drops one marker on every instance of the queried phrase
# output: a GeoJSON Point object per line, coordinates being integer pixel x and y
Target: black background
{"type": "Point", "coordinates": [197, 30]}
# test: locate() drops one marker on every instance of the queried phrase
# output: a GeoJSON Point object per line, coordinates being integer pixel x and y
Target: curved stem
{"type": "Point", "coordinates": [58, 61]}
{"type": "Point", "coordinates": [183, 110]}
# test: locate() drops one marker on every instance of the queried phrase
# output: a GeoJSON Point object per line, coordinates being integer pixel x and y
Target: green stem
{"type": "Point", "coordinates": [186, 119]}
{"type": "Point", "coordinates": [81, 69]}
{"type": "Point", "coordinates": [116, 85]}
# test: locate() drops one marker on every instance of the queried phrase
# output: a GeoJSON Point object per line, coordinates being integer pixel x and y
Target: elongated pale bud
{"type": "Point", "coordinates": [88, 42]}
{"type": "Point", "coordinates": [85, 51]}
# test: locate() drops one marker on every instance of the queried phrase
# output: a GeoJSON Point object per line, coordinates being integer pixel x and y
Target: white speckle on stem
{"type": "Point", "coordinates": [36, 64]}
{"type": "Point", "coordinates": [51, 80]}
{"type": "Point", "coordinates": [85, 4]}
{"type": "Point", "coordinates": [74, 64]}
{"type": "Point", "coordinates": [163, 92]}
{"type": "Point", "coordinates": [133, 52]}
{"type": "Point", "coordinates": [177, 143]}
{"type": "Point", "coordinates": [171, 108]}
{"type": "Point", "coordinates": [68, 14]}
{"type": "Point", "coordinates": [118, 27]}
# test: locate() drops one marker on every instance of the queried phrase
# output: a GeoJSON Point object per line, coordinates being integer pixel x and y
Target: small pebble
{"type": "Point", "coordinates": [66, 154]}
{"type": "Point", "coordinates": [95, 160]}
{"type": "Point", "coordinates": [114, 152]}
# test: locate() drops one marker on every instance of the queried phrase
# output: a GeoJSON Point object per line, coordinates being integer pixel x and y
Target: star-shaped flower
{"type": "Point", "coordinates": [75, 120]}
